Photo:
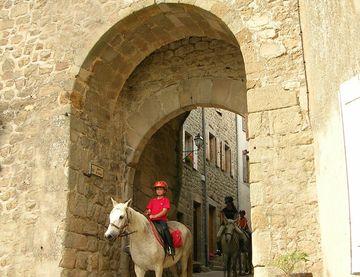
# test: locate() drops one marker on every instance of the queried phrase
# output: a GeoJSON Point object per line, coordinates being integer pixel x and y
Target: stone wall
{"type": "Point", "coordinates": [331, 45]}
{"type": "Point", "coordinates": [62, 73]}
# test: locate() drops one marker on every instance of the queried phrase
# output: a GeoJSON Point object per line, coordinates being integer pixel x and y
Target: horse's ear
{"type": "Point", "coordinates": [114, 202]}
{"type": "Point", "coordinates": [128, 203]}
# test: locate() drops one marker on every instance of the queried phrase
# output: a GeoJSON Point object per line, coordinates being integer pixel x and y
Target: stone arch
{"type": "Point", "coordinates": [227, 94]}
{"type": "Point", "coordinates": [118, 52]}
{"type": "Point", "coordinates": [274, 99]}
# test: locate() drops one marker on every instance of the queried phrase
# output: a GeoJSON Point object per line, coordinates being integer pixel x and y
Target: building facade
{"type": "Point", "coordinates": [221, 169]}
{"type": "Point", "coordinates": [73, 94]}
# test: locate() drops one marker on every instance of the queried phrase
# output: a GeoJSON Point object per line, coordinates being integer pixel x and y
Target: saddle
{"type": "Point", "coordinates": [174, 233]}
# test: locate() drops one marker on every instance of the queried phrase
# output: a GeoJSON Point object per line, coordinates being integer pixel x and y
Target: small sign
{"type": "Point", "coordinates": [97, 170]}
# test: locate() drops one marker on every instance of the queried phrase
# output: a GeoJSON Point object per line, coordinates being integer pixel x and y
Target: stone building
{"type": "Point", "coordinates": [82, 83]}
{"type": "Point", "coordinates": [222, 169]}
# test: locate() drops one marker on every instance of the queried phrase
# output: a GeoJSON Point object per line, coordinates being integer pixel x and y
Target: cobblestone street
{"type": "Point", "coordinates": [214, 274]}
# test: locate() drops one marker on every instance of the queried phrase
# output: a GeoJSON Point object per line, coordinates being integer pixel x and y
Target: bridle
{"type": "Point", "coordinates": [123, 233]}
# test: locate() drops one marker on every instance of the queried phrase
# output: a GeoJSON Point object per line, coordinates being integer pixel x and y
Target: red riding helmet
{"type": "Point", "coordinates": [160, 184]}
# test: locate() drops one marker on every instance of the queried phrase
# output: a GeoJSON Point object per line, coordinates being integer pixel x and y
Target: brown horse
{"type": "Point", "coordinates": [146, 251]}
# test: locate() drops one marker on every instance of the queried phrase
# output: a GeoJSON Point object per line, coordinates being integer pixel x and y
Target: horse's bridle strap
{"type": "Point", "coordinates": [117, 227]}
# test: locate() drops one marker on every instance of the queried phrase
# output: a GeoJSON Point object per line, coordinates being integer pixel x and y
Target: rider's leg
{"type": "Point", "coordinates": [160, 228]}
{"type": "Point", "coordinates": [168, 238]}
{"type": "Point", "coordinates": [218, 239]}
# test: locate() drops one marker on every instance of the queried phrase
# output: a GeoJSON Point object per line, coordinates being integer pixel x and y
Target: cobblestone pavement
{"type": "Point", "coordinates": [214, 274]}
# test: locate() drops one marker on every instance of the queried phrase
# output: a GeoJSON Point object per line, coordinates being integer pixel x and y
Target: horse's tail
{"type": "Point", "coordinates": [189, 265]}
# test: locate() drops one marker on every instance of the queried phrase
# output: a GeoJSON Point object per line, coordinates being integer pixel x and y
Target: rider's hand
{"type": "Point", "coordinates": [151, 216]}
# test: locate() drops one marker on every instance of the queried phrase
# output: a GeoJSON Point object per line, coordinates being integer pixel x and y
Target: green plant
{"type": "Point", "coordinates": [188, 159]}
{"type": "Point", "coordinates": [287, 262]}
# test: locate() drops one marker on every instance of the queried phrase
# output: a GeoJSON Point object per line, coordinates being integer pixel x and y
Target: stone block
{"type": "Point", "coordinates": [257, 194]}
{"type": "Point", "coordinates": [261, 242]}
{"type": "Point", "coordinates": [270, 98]}
{"type": "Point", "coordinates": [68, 258]}
{"type": "Point", "coordinates": [286, 120]}
{"type": "Point", "coordinates": [272, 49]}
{"type": "Point", "coordinates": [81, 260]}
{"type": "Point", "coordinates": [259, 218]}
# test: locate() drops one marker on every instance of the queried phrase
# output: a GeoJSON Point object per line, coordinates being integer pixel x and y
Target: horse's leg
{"type": "Point", "coordinates": [159, 271]}
{"type": "Point", "coordinates": [239, 260]}
{"type": "Point", "coordinates": [234, 261]}
{"type": "Point", "coordinates": [174, 270]}
{"type": "Point", "coordinates": [139, 271]}
{"type": "Point", "coordinates": [228, 266]}
{"type": "Point", "coordinates": [184, 264]}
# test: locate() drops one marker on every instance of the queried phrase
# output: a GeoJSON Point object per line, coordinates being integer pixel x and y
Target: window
{"type": "Point", "coordinates": [212, 142]}
{"type": "Point", "coordinates": [188, 148]}
{"type": "Point", "coordinates": [245, 166]}
{"type": "Point", "coordinates": [227, 159]}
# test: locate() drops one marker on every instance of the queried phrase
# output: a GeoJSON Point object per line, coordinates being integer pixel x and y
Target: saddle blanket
{"type": "Point", "coordinates": [175, 235]}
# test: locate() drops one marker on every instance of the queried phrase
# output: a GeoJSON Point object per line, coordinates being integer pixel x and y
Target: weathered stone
{"type": "Point", "coordinates": [260, 99]}
{"type": "Point", "coordinates": [68, 258]}
{"type": "Point", "coordinates": [19, 9]}
{"type": "Point", "coordinates": [39, 87]}
{"type": "Point", "coordinates": [272, 49]}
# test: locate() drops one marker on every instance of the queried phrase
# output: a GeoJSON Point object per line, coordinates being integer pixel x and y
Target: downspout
{"type": "Point", "coordinates": [237, 162]}
{"type": "Point", "coordinates": [206, 214]}
{"type": "Point", "coordinates": [304, 63]}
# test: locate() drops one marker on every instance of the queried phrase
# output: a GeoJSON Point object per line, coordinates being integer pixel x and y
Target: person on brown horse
{"type": "Point", "coordinates": [229, 212]}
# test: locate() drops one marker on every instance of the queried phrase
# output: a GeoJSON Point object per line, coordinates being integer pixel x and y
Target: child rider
{"type": "Point", "coordinates": [157, 210]}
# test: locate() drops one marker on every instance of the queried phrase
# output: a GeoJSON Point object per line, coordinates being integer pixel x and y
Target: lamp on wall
{"type": "Point", "coordinates": [199, 142]}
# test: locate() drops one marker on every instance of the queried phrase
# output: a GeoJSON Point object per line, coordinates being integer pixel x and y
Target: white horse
{"type": "Point", "coordinates": [146, 251]}
{"type": "Point", "coordinates": [230, 241]}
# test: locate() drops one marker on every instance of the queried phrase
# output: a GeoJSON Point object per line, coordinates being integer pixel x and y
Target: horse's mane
{"type": "Point", "coordinates": [141, 219]}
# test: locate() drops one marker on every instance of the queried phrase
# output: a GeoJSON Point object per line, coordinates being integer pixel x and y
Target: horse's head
{"type": "Point", "coordinates": [229, 229]}
{"type": "Point", "coordinates": [118, 220]}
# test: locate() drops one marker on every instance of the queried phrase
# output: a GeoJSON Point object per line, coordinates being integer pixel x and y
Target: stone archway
{"type": "Point", "coordinates": [105, 130]}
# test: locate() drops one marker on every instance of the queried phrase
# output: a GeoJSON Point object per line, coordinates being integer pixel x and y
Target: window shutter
{"type": "Point", "coordinates": [218, 153]}
{"type": "Point", "coordinates": [222, 156]}
{"type": "Point", "coordinates": [183, 145]}
{"type": "Point", "coordinates": [232, 165]}
{"type": "Point", "coordinates": [195, 156]}
{"type": "Point", "coordinates": [207, 146]}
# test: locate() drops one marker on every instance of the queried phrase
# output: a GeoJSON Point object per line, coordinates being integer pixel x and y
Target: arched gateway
{"type": "Point", "coordinates": [152, 63]}
{"type": "Point", "coordinates": [121, 102]}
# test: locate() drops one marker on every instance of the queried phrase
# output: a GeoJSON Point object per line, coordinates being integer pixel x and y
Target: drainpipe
{"type": "Point", "coordinates": [206, 213]}
{"type": "Point", "coordinates": [237, 161]}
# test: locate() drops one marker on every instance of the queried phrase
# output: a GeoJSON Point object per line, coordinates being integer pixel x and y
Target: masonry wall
{"type": "Point", "coordinates": [331, 43]}
{"type": "Point", "coordinates": [63, 68]}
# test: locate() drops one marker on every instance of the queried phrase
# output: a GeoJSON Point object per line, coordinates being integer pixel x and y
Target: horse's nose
{"type": "Point", "coordinates": [109, 236]}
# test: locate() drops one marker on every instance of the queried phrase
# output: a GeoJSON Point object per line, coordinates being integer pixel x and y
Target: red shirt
{"type": "Point", "coordinates": [242, 222]}
{"type": "Point", "coordinates": [157, 205]}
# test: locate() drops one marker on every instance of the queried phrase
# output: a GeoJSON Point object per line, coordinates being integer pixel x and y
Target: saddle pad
{"type": "Point", "coordinates": [175, 235]}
